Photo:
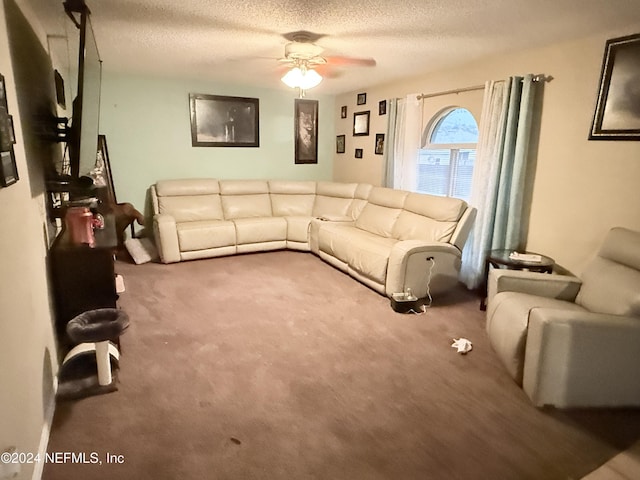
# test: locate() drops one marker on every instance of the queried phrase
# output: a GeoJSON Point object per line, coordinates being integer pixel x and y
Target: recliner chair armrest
{"type": "Point", "coordinates": [581, 359]}
{"type": "Point", "coordinates": [409, 267]}
{"type": "Point", "coordinates": [562, 287]}
{"type": "Point", "coordinates": [166, 235]}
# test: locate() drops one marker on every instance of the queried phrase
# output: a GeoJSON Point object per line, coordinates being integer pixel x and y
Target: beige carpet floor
{"type": "Point", "coordinates": [278, 366]}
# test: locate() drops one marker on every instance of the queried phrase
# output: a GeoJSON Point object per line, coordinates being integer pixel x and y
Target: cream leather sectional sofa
{"type": "Point", "coordinates": [385, 238]}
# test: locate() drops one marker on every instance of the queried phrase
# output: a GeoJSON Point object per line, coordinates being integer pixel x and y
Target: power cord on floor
{"type": "Point", "coordinates": [423, 308]}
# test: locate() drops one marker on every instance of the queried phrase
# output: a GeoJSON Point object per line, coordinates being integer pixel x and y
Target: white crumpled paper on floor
{"type": "Point", "coordinates": [462, 344]}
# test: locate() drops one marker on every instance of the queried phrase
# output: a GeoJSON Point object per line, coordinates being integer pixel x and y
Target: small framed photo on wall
{"type": "Point", "coordinates": [8, 169]}
{"type": "Point", "coordinates": [379, 144]}
{"type": "Point", "coordinates": [358, 153]}
{"type": "Point", "coordinates": [340, 141]}
{"type": "Point", "coordinates": [343, 111]}
{"type": "Point", "coordinates": [362, 99]}
{"type": "Point", "coordinates": [382, 107]}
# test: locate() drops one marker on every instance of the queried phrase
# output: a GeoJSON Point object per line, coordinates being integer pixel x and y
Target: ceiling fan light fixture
{"type": "Point", "coordinates": [302, 78]}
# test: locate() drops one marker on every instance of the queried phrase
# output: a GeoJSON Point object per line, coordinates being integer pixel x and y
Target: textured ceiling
{"type": "Point", "coordinates": [241, 40]}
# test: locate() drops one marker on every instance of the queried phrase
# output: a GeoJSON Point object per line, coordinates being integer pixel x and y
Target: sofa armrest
{"type": "Point", "coordinates": [562, 287]}
{"type": "Point", "coordinates": [166, 235]}
{"type": "Point", "coordinates": [461, 233]}
{"type": "Point", "coordinates": [582, 359]}
{"type": "Point", "coordinates": [420, 266]}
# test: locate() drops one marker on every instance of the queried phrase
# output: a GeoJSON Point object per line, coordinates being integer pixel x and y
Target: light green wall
{"type": "Point", "coordinates": [147, 124]}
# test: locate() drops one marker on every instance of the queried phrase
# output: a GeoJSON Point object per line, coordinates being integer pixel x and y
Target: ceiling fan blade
{"type": "Point", "coordinates": [327, 72]}
{"type": "Point", "coordinates": [361, 62]}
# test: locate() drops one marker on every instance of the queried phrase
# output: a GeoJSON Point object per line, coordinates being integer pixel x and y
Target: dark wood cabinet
{"type": "Point", "coordinates": [83, 277]}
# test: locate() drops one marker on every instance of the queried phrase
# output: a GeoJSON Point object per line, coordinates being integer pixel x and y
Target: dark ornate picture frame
{"type": "Point", "coordinates": [221, 121]}
{"type": "Point", "coordinates": [306, 131]}
{"type": "Point", "coordinates": [103, 152]}
{"type": "Point", "coordinates": [382, 107]}
{"type": "Point", "coordinates": [617, 114]}
{"type": "Point", "coordinates": [361, 99]}
{"type": "Point", "coordinates": [59, 84]}
{"type": "Point", "coordinates": [340, 143]}
{"type": "Point", "coordinates": [379, 150]}
{"type": "Point", "coordinates": [8, 167]}
{"type": "Point", "coordinates": [361, 123]}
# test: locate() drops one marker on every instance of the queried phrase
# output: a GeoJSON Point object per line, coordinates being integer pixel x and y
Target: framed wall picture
{"type": "Point", "coordinates": [3, 93]}
{"type": "Point", "coordinates": [361, 99]}
{"type": "Point", "coordinates": [379, 144]}
{"type": "Point", "coordinates": [361, 123]}
{"type": "Point", "coordinates": [59, 83]}
{"type": "Point", "coordinates": [103, 160]}
{"type": "Point", "coordinates": [358, 153]}
{"type": "Point", "coordinates": [382, 107]}
{"type": "Point", "coordinates": [343, 111]}
{"type": "Point", "coordinates": [8, 169]}
{"type": "Point", "coordinates": [617, 115]}
{"type": "Point", "coordinates": [340, 141]}
{"type": "Point", "coordinates": [219, 121]}
{"type": "Point", "coordinates": [12, 132]}
{"type": "Point", "coordinates": [7, 135]}
{"type": "Point", "coordinates": [306, 131]}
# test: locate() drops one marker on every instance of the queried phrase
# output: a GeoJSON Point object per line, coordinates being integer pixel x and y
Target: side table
{"type": "Point", "coordinates": [501, 259]}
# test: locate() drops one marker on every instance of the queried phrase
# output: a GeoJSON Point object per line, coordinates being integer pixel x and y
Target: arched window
{"type": "Point", "coordinates": [448, 153]}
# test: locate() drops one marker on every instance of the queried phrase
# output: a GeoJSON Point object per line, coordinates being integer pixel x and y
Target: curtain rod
{"type": "Point", "coordinates": [536, 78]}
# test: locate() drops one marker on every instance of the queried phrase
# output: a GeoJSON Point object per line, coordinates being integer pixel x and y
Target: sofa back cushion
{"type": "Point", "coordinates": [361, 196]}
{"type": "Point", "coordinates": [333, 199]}
{"type": "Point", "coordinates": [290, 198]}
{"type": "Point", "coordinates": [245, 199]}
{"type": "Point", "coordinates": [429, 217]}
{"type": "Point", "coordinates": [189, 200]}
{"type": "Point", "coordinates": [381, 211]}
{"type": "Point", "coordinates": [611, 282]}
{"type": "Point", "coordinates": [187, 186]}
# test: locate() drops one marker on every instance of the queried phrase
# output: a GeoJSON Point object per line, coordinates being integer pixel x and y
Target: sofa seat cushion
{"type": "Point", "coordinates": [507, 323]}
{"type": "Point", "coordinates": [264, 229]}
{"type": "Point", "coordinates": [205, 234]}
{"type": "Point", "coordinates": [298, 228]}
{"type": "Point", "coordinates": [366, 253]}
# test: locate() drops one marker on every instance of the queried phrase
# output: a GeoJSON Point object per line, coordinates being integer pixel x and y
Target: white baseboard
{"type": "Point", "coordinates": [44, 435]}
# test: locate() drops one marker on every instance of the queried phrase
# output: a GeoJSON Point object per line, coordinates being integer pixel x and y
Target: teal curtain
{"type": "Point", "coordinates": [500, 173]}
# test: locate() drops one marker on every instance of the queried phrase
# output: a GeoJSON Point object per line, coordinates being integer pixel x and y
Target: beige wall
{"type": "Point", "coordinates": [27, 346]}
{"type": "Point", "coordinates": [581, 188]}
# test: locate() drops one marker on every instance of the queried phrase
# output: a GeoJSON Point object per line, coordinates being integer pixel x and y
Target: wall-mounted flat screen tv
{"type": "Point", "coordinates": [83, 135]}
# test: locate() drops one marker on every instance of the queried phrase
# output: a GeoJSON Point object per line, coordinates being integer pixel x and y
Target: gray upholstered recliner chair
{"type": "Point", "coordinates": [572, 342]}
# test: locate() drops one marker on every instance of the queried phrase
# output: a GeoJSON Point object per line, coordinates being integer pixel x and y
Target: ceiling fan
{"type": "Point", "coordinates": [306, 61]}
